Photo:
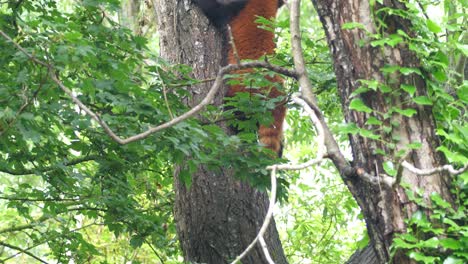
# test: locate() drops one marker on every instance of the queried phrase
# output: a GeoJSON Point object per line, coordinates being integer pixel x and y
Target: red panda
{"type": "Point", "coordinates": [251, 42]}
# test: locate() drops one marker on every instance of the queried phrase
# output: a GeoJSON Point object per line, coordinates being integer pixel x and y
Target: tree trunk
{"type": "Point", "coordinates": [129, 15]}
{"type": "Point", "coordinates": [218, 216]}
{"type": "Point", "coordinates": [384, 208]}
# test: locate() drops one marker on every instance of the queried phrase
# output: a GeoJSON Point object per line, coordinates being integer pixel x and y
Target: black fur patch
{"type": "Point", "coordinates": [220, 12]}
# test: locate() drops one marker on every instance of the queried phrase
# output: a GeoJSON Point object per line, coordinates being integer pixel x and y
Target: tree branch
{"type": "Point", "coordinates": [47, 169]}
{"type": "Point", "coordinates": [27, 226]}
{"type": "Point", "coordinates": [50, 238]}
{"type": "Point", "coordinates": [426, 172]}
{"type": "Point", "coordinates": [22, 251]}
{"type": "Point", "coordinates": [218, 82]}
{"type": "Point", "coordinates": [333, 150]}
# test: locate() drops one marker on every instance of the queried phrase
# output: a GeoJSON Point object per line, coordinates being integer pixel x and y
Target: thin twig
{"type": "Point", "coordinates": [164, 89]}
{"type": "Point", "coordinates": [267, 220]}
{"type": "Point", "coordinates": [22, 251]}
{"type": "Point", "coordinates": [26, 226]}
{"type": "Point", "coordinates": [233, 45]}
{"type": "Point", "coordinates": [265, 250]}
{"type": "Point", "coordinates": [50, 238]}
{"type": "Point", "coordinates": [22, 199]}
{"type": "Point", "coordinates": [154, 251]}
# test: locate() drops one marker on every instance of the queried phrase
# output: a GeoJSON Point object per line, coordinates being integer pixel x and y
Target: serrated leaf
{"type": "Point", "coordinates": [451, 243]}
{"type": "Point", "coordinates": [409, 112]}
{"type": "Point", "coordinates": [389, 168]}
{"type": "Point", "coordinates": [422, 100]}
{"type": "Point", "coordinates": [431, 243]}
{"type": "Point", "coordinates": [373, 121]}
{"type": "Point", "coordinates": [408, 71]}
{"type": "Point", "coordinates": [416, 145]}
{"type": "Point", "coordinates": [421, 257]}
{"type": "Point", "coordinates": [359, 90]}
{"type": "Point", "coordinates": [136, 241]}
{"type": "Point", "coordinates": [438, 200]}
{"type": "Point", "coordinates": [353, 25]}
{"type": "Point", "coordinates": [411, 89]}
{"type": "Point", "coordinates": [368, 134]}
{"type": "Point", "coordinates": [433, 26]}
{"type": "Point", "coordinates": [185, 177]}
{"type": "Point", "coordinates": [358, 105]}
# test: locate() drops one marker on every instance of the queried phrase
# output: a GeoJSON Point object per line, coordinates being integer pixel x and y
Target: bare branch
{"type": "Point", "coordinates": [154, 251]}
{"type": "Point", "coordinates": [266, 222]}
{"type": "Point", "coordinates": [333, 150]}
{"type": "Point", "coordinates": [426, 172]}
{"type": "Point", "coordinates": [27, 226]}
{"type": "Point", "coordinates": [47, 169]}
{"type": "Point", "coordinates": [233, 44]}
{"type": "Point", "coordinates": [22, 251]}
{"type": "Point", "coordinates": [265, 250]}
{"type": "Point", "coordinates": [195, 110]}
{"type": "Point", "coordinates": [49, 239]}
{"type": "Point", "coordinates": [321, 152]}
{"type": "Point", "coordinates": [372, 179]}
{"type": "Point", "coordinates": [22, 199]}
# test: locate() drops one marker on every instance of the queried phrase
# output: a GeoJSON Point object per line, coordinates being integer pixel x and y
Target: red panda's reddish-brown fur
{"type": "Point", "coordinates": [252, 42]}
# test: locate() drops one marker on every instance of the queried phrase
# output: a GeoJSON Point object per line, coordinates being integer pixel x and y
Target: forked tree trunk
{"type": "Point", "coordinates": [218, 216]}
{"type": "Point", "coordinates": [384, 208]}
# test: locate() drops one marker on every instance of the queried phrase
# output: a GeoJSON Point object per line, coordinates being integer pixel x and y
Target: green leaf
{"type": "Point", "coordinates": [186, 177]}
{"type": "Point", "coordinates": [368, 134]}
{"type": "Point", "coordinates": [433, 26]}
{"type": "Point", "coordinates": [349, 128]}
{"type": "Point", "coordinates": [411, 89]}
{"type": "Point", "coordinates": [136, 241]}
{"type": "Point", "coordinates": [373, 121]}
{"type": "Point", "coordinates": [409, 112]}
{"type": "Point", "coordinates": [450, 243]}
{"type": "Point", "coordinates": [416, 145]}
{"type": "Point", "coordinates": [400, 243]}
{"type": "Point", "coordinates": [422, 100]}
{"type": "Point", "coordinates": [438, 200]}
{"type": "Point", "coordinates": [353, 25]}
{"type": "Point", "coordinates": [432, 242]}
{"type": "Point", "coordinates": [421, 257]}
{"type": "Point", "coordinates": [407, 71]}
{"type": "Point", "coordinates": [462, 93]}
{"type": "Point", "coordinates": [360, 90]}
{"type": "Point", "coordinates": [453, 260]}
{"type": "Point", "coordinates": [463, 48]}
{"type": "Point", "coordinates": [358, 105]}
{"type": "Point", "coordinates": [389, 168]}
{"type": "Point", "coordinates": [394, 40]}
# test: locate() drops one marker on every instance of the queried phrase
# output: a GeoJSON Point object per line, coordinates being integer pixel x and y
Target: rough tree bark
{"type": "Point", "coordinates": [384, 208]}
{"type": "Point", "coordinates": [218, 216]}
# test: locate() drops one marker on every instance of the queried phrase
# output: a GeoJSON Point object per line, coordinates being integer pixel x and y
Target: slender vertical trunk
{"type": "Point", "coordinates": [129, 15]}
{"type": "Point", "coordinates": [384, 208]}
{"type": "Point", "coordinates": [218, 216]}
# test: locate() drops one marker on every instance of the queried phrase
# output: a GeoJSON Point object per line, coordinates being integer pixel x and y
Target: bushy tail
{"type": "Point", "coordinates": [272, 136]}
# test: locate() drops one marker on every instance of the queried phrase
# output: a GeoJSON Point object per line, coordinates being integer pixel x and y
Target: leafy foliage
{"type": "Point", "coordinates": [71, 194]}
{"type": "Point", "coordinates": [64, 180]}
{"type": "Point", "coordinates": [441, 237]}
